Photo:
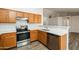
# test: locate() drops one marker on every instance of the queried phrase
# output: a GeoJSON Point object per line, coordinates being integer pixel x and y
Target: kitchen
{"type": "Point", "coordinates": [29, 29]}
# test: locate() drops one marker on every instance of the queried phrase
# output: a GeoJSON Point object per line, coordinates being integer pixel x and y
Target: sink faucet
{"type": "Point", "coordinates": [46, 27]}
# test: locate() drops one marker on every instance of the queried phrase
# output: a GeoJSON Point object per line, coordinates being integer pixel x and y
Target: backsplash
{"type": "Point", "coordinates": [5, 27]}
{"type": "Point", "coordinates": [11, 27]}
{"type": "Point", "coordinates": [30, 26]}
{"type": "Point", "coordinates": [21, 22]}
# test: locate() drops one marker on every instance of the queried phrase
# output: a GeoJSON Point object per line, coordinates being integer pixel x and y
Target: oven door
{"type": "Point", "coordinates": [23, 36]}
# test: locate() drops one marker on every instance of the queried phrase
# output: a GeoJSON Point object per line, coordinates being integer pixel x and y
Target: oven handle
{"type": "Point", "coordinates": [22, 32]}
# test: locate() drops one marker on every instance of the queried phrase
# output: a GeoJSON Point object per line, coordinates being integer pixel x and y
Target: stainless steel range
{"type": "Point", "coordinates": [23, 36]}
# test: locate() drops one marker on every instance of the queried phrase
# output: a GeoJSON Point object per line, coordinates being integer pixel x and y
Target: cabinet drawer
{"type": "Point", "coordinates": [8, 35]}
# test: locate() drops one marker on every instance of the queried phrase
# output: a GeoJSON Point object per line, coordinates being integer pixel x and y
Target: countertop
{"type": "Point", "coordinates": [55, 30]}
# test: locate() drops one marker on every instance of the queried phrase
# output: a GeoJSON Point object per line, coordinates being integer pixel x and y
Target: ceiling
{"type": "Point", "coordinates": [30, 10]}
{"type": "Point", "coordinates": [62, 11]}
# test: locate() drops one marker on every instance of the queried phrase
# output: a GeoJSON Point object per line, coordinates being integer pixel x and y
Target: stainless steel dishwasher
{"type": "Point", "coordinates": [53, 42]}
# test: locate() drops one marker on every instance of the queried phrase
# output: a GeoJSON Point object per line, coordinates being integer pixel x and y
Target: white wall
{"type": "Point", "coordinates": [74, 23]}
{"type": "Point", "coordinates": [47, 20]}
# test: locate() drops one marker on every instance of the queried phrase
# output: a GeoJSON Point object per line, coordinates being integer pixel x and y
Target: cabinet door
{"type": "Point", "coordinates": [33, 35]}
{"type": "Point", "coordinates": [37, 18]}
{"type": "Point", "coordinates": [3, 16]}
{"type": "Point", "coordinates": [53, 42]}
{"type": "Point", "coordinates": [31, 18]}
{"type": "Point", "coordinates": [43, 37]}
{"type": "Point", "coordinates": [8, 40]}
{"type": "Point", "coordinates": [12, 16]}
{"type": "Point", "coordinates": [19, 14]}
{"type": "Point", "coordinates": [1, 43]}
{"type": "Point", "coordinates": [26, 15]}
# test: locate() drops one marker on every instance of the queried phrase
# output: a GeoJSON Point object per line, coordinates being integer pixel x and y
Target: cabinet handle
{"type": "Point", "coordinates": [11, 37]}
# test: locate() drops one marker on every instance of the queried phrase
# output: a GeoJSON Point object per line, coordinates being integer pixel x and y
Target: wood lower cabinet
{"type": "Point", "coordinates": [63, 42]}
{"type": "Point", "coordinates": [33, 35]}
{"type": "Point", "coordinates": [55, 42]}
{"type": "Point", "coordinates": [8, 40]}
{"type": "Point", "coordinates": [42, 37]}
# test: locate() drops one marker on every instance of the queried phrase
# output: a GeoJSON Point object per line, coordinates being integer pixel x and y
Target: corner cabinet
{"type": "Point", "coordinates": [7, 40]}
{"type": "Point", "coordinates": [7, 16]}
{"type": "Point", "coordinates": [42, 37]}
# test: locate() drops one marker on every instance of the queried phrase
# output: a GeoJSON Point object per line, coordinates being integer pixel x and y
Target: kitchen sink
{"type": "Point", "coordinates": [45, 29]}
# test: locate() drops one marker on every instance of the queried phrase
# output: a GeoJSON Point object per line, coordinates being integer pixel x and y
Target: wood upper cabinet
{"type": "Point", "coordinates": [31, 18]}
{"type": "Point", "coordinates": [26, 15]}
{"type": "Point", "coordinates": [8, 40]}
{"type": "Point", "coordinates": [7, 16]}
{"type": "Point", "coordinates": [37, 18]}
{"type": "Point", "coordinates": [4, 15]}
{"type": "Point", "coordinates": [12, 16]}
{"type": "Point", "coordinates": [19, 14]}
{"type": "Point", "coordinates": [34, 18]}
{"type": "Point", "coordinates": [42, 37]}
{"type": "Point", "coordinates": [33, 35]}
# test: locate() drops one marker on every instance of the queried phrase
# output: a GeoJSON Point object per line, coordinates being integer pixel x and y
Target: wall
{"type": "Point", "coordinates": [49, 21]}
{"type": "Point", "coordinates": [5, 28]}
{"type": "Point", "coordinates": [74, 23]}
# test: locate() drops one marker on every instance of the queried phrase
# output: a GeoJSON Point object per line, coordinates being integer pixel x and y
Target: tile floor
{"type": "Point", "coordinates": [34, 46]}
